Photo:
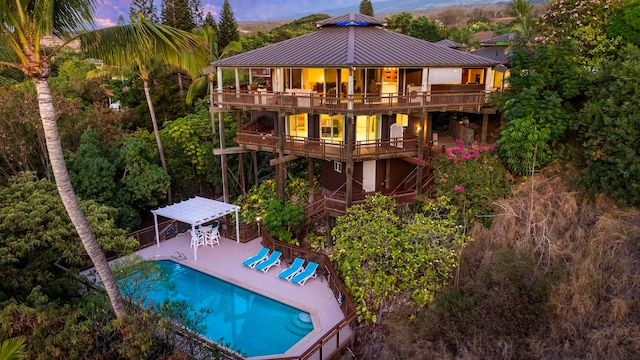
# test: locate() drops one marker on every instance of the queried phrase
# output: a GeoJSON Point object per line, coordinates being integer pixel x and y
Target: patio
{"type": "Point", "coordinates": [224, 262]}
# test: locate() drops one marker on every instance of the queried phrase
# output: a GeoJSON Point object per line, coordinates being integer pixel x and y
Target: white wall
{"type": "Point", "coordinates": [445, 76]}
{"type": "Point", "coordinates": [369, 176]}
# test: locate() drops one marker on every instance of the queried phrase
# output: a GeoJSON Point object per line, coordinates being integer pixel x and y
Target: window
{"type": "Point", "coordinates": [337, 166]}
{"type": "Point", "coordinates": [367, 127]}
{"type": "Point", "coordinates": [297, 125]}
{"type": "Point", "coordinates": [331, 128]}
{"type": "Point", "coordinates": [402, 119]}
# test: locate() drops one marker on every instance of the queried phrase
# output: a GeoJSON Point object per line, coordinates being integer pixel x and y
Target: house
{"type": "Point", "coordinates": [452, 44]}
{"type": "Point", "coordinates": [357, 97]}
{"type": "Point", "coordinates": [497, 49]}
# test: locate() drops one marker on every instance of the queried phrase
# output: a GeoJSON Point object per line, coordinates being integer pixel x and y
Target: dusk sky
{"type": "Point", "coordinates": [244, 10]}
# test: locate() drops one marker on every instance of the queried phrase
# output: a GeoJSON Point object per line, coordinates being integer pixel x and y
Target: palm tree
{"type": "Point", "coordinates": [119, 55]}
{"type": "Point", "coordinates": [209, 36]}
{"type": "Point", "coordinates": [524, 20]}
{"type": "Point", "coordinates": [23, 23]}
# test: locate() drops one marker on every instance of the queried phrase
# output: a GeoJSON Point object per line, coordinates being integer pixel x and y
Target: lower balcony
{"type": "Point", "coordinates": [326, 150]}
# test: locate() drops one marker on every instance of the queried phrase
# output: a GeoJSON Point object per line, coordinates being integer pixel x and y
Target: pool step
{"type": "Point", "coordinates": [300, 323]}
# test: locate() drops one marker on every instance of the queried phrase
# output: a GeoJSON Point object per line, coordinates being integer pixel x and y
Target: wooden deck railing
{"type": "Point", "coordinates": [336, 339]}
{"type": "Point", "coordinates": [326, 150]}
{"type": "Point", "coordinates": [362, 103]}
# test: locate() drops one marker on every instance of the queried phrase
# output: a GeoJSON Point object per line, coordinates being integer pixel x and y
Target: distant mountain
{"type": "Point", "coordinates": [392, 6]}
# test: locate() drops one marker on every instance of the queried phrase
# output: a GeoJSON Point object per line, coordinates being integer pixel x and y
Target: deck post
{"type": "Point", "coordinates": [349, 166]}
{"type": "Point", "coordinates": [485, 125]}
{"type": "Point", "coordinates": [420, 156]}
{"type": "Point", "coordinates": [223, 157]}
{"type": "Point", "coordinates": [223, 160]}
{"type": "Point", "coordinates": [281, 167]}
{"type": "Point", "coordinates": [243, 185]}
{"type": "Point", "coordinates": [254, 160]}
{"type": "Point", "coordinates": [312, 178]}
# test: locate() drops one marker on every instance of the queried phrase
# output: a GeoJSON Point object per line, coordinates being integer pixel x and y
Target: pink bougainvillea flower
{"type": "Point", "coordinates": [458, 188]}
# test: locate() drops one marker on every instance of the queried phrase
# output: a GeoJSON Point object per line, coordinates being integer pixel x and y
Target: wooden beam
{"type": "Point", "coordinates": [485, 125]}
{"type": "Point", "coordinates": [229, 151]}
{"type": "Point", "coordinates": [414, 161]}
{"type": "Point", "coordinates": [282, 159]}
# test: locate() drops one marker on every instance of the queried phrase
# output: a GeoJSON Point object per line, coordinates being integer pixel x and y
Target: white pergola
{"type": "Point", "coordinates": [196, 211]}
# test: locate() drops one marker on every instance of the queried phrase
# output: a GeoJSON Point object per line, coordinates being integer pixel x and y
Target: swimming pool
{"type": "Point", "coordinates": [250, 323]}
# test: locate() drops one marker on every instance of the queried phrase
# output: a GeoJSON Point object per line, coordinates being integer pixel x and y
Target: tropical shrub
{"type": "Point", "coordinates": [472, 177]}
{"type": "Point", "coordinates": [281, 218]}
{"type": "Point", "coordinates": [35, 232]}
{"type": "Point", "coordinates": [385, 262]}
{"type": "Point", "coordinates": [544, 83]}
{"type": "Point", "coordinates": [609, 127]}
{"type": "Point", "coordinates": [254, 204]}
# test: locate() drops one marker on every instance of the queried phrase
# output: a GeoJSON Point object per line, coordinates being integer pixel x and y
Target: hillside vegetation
{"type": "Point", "coordinates": [555, 277]}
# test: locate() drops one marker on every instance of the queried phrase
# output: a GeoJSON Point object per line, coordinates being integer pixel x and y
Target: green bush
{"type": "Point", "coordinates": [609, 126]}
{"type": "Point", "coordinates": [472, 177]}
{"type": "Point", "coordinates": [384, 261]}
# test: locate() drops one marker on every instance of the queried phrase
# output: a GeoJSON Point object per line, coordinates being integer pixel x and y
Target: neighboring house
{"type": "Point", "coordinates": [452, 44]}
{"type": "Point", "coordinates": [356, 97]}
{"type": "Point", "coordinates": [497, 49]}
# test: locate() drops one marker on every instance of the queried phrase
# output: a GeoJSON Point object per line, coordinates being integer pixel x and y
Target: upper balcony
{"type": "Point", "coordinates": [463, 98]}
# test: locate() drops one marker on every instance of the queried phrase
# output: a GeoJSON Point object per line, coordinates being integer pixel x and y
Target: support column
{"type": "Point", "coordinates": [420, 156]}
{"type": "Point", "coordinates": [223, 157]}
{"type": "Point", "coordinates": [312, 180]}
{"type": "Point", "coordinates": [254, 160]}
{"type": "Point", "coordinates": [281, 174]}
{"type": "Point", "coordinates": [387, 178]}
{"type": "Point", "coordinates": [350, 88]}
{"type": "Point", "coordinates": [223, 160]}
{"type": "Point", "coordinates": [237, 81]}
{"type": "Point", "coordinates": [349, 166]}
{"type": "Point", "coordinates": [243, 185]}
{"type": "Point", "coordinates": [485, 125]}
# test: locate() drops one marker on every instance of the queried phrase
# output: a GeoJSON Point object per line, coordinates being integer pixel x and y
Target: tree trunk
{"type": "Point", "coordinates": [147, 94]}
{"type": "Point", "coordinates": [70, 201]}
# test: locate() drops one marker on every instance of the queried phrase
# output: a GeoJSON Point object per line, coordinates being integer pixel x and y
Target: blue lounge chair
{"type": "Point", "coordinates": [261, 255]}
{"type": "Point", "coordinates": [273, 259]}
{"type": "Point", "coordinates": [293, 270]}
{"type": "Point", "coordinates": [308, 272]}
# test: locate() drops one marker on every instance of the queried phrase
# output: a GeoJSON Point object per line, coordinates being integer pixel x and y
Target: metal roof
{"type": "Point", "coordinates": [498, 54]}
{"type": "Point", "coordinates": [358, 45]}
{"type": "Point", "coordinates": [352, 18]}
{"type": "Point", "coordinates": [499, 40]}
{"type": "Point", "coordinates": [451, 44]}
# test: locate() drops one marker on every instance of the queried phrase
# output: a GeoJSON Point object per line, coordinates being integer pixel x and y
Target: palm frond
{"type": "Point", "coordinates": [141, 41]}
{"type": "Point", "coordinates": [196, 86]}
{"type": "Point", "coordinates": [12, 349]}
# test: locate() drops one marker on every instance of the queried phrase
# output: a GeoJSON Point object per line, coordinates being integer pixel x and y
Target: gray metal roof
{"type": "Point", "coordinates": [498, 54]}
{"type": "Point", "coordinates": [450, 44]}
{"type": "Point", "coordinates": [505, 38]}
{"type": "Point", "coordinates": [354, 45]}
{"type": "Point", "coordinates": [352, 18]}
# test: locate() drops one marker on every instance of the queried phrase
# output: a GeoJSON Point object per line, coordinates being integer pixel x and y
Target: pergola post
{"type": "Point", "coordinates": [237, 227]}
{"type": "Point", "coordinates": [195, 246]}
{"type": "Point", "coordinates": [155, 221]}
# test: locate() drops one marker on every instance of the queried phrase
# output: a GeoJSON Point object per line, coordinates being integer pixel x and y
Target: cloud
{"type": "Point", "coordinates": [104, 22]}
{"type": "Point", "coordinates": [209, 8]}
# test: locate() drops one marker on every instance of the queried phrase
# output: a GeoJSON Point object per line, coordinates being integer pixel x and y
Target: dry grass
{"type": "Point", "coordinates": [556, 277]}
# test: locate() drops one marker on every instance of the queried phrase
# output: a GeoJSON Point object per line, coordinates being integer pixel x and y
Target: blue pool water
{"type": "Point", "coordinates": [249, 323]}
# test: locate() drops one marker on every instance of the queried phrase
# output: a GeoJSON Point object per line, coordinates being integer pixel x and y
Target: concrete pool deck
{"type": "Point", "coordinates": [224, 262]}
